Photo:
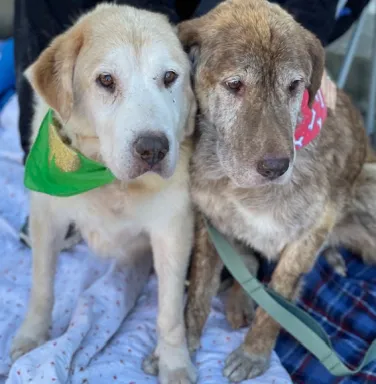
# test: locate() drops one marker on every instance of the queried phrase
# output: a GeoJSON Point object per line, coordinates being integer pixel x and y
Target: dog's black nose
{"type": "Point", "coordinates": [151, 149]}
{"type": "Point", "coordinates": [272, 168]}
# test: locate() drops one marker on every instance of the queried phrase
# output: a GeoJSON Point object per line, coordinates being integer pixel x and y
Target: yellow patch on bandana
{"type": "Point", "coordinates": [65, 157]}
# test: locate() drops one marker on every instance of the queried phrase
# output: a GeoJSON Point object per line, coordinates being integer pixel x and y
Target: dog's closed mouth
{"type": "Point", "coordinates": [157, 168]}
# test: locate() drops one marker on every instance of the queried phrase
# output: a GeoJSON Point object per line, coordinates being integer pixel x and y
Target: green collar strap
{"type": "Point", "coordinates": [56, 169]}
{"type": "Point", "coordinates": [296, 321]}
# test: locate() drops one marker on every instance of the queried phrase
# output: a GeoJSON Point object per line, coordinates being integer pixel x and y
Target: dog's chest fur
{"type": "Point", "coordinates": [263, 226]}
{"type": "Point", "coordinates": [266, 223]}
{"type": "Point", "coordinates": [110, 222]}
{"type": "Point", "coordinates": [117, 219]}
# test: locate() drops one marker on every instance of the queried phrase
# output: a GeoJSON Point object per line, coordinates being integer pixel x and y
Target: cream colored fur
{"type": "Point", "coordinates": [132, 216]}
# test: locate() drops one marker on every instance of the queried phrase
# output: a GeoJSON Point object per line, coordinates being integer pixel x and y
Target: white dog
{"type": "Point", "coordinates": [118, 82]}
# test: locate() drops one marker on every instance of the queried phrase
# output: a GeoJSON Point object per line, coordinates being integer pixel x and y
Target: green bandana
{"type": "Point", "coordinates": [54, 168]}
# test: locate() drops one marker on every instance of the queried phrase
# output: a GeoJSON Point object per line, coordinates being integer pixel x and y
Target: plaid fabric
{"type": "Point", "coordinates": [346, 308]}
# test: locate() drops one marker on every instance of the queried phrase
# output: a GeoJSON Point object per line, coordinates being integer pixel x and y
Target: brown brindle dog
{"type": "Point", "coordinates": [252, 64]}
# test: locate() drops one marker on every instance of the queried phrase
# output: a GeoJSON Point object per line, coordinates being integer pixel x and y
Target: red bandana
{"type": "Point", "coordinates": [312, 120]}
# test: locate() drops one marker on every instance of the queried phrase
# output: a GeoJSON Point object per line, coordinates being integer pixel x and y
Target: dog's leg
{"type": "Point", "coordinates": [240, 308]}
{"type": "Point", "coordinates": [357, 232]}
{"type": "Point", "coordinates": [47, 230]}
{"type": "Point", "coordinates": [171, 249]}
{"type": "Point", "coordinates": [252, 357]}
{"type": "Point", "coordinates": [204, 283]}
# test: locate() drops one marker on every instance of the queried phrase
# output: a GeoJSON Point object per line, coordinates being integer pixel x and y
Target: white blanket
{"type": "Point", "coordinates": [104, 315]}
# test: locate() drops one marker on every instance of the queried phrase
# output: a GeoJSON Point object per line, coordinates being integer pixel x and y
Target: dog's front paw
{"type": "Point", "coordinates": [193, 341]}
{"type": "Point", "coordinates": [171, 364]}
{"type": "Point", "coordinates": [241, 365]}
{"type": "Point", "coordinates": [24, 343]}
{"type": "Point", "coordinates": [185, 375]}
{"type": "Point", "coordinates": [150, 364]}
{"type": "Point", "coordinates": [336, 261]}
{"type": "Point", "coordinates": [194, 329]}
{"type": "Point", "coordinates": [168, 375]}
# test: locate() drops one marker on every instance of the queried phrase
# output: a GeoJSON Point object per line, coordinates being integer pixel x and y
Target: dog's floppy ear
{"type": "Point", "coordinates": [189, 33]}
{"type": "Point", "coordinates": [51, 75]}
{"type": "Point", "coordinates": [317, 57]}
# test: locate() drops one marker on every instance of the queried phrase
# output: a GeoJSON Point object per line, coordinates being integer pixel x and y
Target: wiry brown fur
{"type": "Point", "coordinates": [327, 196]}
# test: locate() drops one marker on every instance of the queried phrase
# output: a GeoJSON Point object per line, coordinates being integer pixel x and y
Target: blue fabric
{"type": "Point", "coordinates": [346, 11]}
{"type": "Point", "coordinates": [346, 308]}
{"type": "Point", "coordinates": [4, 97]}
{"type": "Point", "coordinates": [7, 71]}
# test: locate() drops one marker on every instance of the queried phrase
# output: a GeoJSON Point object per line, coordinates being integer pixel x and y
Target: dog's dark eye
{"type": "Point", "coordinates": [169, 78]}
{"type": "Point", "coordinates": [234, 85]}
{"type": "Point", "coordinates": [294, 86]}
{"type": "Point", "coordinates": [106, 81]}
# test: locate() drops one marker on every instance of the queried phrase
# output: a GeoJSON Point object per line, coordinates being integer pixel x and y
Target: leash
{"type": "Point", "coordinates": [296, 321]}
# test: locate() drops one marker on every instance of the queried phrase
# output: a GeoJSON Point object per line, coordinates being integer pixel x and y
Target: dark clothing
{"type": "Point", "coordinates": [318, 16]}
{"type": "Point", "coordinates": [348, 16]}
